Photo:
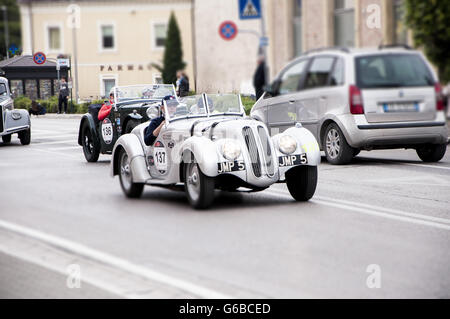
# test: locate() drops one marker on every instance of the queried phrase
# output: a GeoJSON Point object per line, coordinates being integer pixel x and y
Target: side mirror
{"type": "Point", "coordinates": [152, 112]}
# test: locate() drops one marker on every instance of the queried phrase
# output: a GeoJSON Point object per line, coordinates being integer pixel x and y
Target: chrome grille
{"type": "Point", "coordinates": [252, 147]}
{"type": "Point", "coordinates": [267, 151]}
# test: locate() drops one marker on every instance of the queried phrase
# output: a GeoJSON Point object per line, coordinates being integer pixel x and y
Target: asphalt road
{"type": "Point", "coordinates": [384, 219]}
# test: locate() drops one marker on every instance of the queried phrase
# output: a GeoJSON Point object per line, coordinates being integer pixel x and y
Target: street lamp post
{"type": "Point", "coordinates": [5, 21]}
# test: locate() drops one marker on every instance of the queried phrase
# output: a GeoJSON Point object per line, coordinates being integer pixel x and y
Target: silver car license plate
{"type": "Point", "coordinates": [401, 107]}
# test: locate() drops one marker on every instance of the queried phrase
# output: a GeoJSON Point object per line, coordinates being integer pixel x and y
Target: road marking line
{"type": "Point", "coordinates": [66, 148]}
{"type": "Point", "coordinates": [428, 166]}
{"type": "Point", "coordinates": [55, 142]}
{"type": "Point", "coordinates": [115, 261]}
{"type": "Point", "coordinates": [47, 265]}
{"type": "Point", "coordinates": [55, 153]}
{"type": "Point", "coordinates": [436, 222]}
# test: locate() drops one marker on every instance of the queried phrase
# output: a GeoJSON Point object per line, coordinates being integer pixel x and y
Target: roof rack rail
{"type": "Point", "coordinates": [344, 49]}
{"type": "Point", "coordinates": [390, 46]}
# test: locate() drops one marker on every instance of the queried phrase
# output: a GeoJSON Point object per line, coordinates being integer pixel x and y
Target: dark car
{"type": "Point", "coordinates": [128, 109]}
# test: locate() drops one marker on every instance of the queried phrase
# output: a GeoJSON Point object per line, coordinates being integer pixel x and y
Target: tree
{"type": "Point", "coordinates": [13, 26]}
{"type": "Point", "coordinates": [430, 22]}
{"type": "Point", "coordinates": [173, 53]}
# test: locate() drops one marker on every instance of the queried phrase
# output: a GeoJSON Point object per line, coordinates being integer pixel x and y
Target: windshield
{"type": "Point", "coordinates": [143, 92]}
{"type": "Point", "coordinates": [194, 106]}
{"type": "Point", "coordinates": [392, 70]}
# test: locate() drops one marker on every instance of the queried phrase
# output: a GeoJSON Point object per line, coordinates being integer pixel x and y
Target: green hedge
{"type": "Point", "coordinates": [248, 103]}
{"type": "Point", "coordinates": [51, 104]}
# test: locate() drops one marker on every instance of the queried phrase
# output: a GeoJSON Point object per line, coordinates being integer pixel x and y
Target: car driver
{"type": "Point", "coordinates": [106, 108]}
{"type": "Point", "coordinates": [155, 126]}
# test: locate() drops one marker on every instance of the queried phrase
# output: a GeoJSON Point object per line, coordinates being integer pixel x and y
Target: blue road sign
{"type": "Point", "coordinates": [228, 30]}
{"type": "Point", "coordinates": [263, 41]}
{"type": "Point", "coordinates": [39, 58]}
{"type": "Point", "coordinates": [13, 49]}
{"type": "Point", "coordinates": [249, 9]}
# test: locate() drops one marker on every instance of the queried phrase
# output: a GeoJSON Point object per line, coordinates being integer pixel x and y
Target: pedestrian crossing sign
{"type": "Point", "coordinates": [249, 9]}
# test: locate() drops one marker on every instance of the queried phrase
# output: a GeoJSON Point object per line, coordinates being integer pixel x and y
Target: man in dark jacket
{"type": "Point", "coordinates": [183, 84]}
{"type": "Point", "coordinates": [259, 78]}
{"type": "Point", "coordinates": [155, 126]}
{"type": "Point", "coordinates": [63, 96]}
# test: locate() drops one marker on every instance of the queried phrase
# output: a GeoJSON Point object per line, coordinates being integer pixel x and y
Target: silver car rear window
{"type": "Point", "coordinates": [392, 70]}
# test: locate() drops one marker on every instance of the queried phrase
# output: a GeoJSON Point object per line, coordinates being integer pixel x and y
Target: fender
{"type": "Point", "coordinates": [88, 117]}
{"type": "Point", "coordinates": [203, 150]}
{"type": "Point", "coordinates": [131, 144]}
{"type": "Point", "coordinates": [20, 120]}
{"type": "Point", "coordinates": [306, 143]}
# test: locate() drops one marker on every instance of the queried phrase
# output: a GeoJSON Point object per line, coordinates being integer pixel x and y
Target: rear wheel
{"type": "Point", "coordinates": [6, 138]}
{"type": "Point", "coordinates": [335, 145]}
{"type": "Point", "coordinates": [132, 190]}
{"type": "Point", "coordinates": [432, 152]}
{"type": "Point", "coordinates": [199, 187]}
{"type": "Point", "coordinates": [301, 182]}
{"type": "Point", "coordinates": [25, 137]}
{"type": "Point", "coordinates": [91, 152]}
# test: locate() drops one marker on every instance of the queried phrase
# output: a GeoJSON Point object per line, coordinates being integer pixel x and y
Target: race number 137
{"type": "Point", "coordinates": [160, 158]}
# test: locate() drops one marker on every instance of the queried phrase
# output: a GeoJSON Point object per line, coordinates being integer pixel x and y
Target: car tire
{"type": "Point", "coordinates": [130, 126]}
{"type": "Point", "coordinates": [6, 138]}
{"type": "Point", "coordinates": [25, 137]}
{"type": "Point", "coordinates": [90, 150]}
{"type": "Point", "coordinates": [199, 187]}
{"type": "Point", "coordinates": [301, 182]}
{"type": "Point", "coordinates": [432, 152]}
{"type": "Point", "coordinates": [130, 189]}
{"type": "Point", "coordinates": [335, 145]}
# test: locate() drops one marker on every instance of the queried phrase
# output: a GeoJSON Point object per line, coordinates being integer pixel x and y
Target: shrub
{"type": "Point", "coordinates": [22, 102]}
{"type": "Point", "coordinates": [248, 103]}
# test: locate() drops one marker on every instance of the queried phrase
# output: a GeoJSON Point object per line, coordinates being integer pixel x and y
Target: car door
{"type": "Point", "coordinates": [315, 92]}
{"type": "Point", "coordinates": [281, 109]}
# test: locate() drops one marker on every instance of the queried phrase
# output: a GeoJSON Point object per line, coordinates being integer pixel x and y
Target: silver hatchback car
{"type": "Point", "coordinates": [359, 99]}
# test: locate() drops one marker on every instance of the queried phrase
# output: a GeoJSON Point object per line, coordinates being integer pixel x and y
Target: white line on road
{"type": "Point", "coordinates": [428, 166]}
{"type": "Point", "coordinates": [420, 219]}
{"type": "Point", "coordinates": [114, 261]}
{"type": "Point", "coordinates": [58, 142]}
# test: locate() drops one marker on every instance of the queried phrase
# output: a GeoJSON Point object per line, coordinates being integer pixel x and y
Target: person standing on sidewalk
{"type": "Point", "coordinates": [63, 96]}
{"type": "Point", "coordinates": [259, 78]}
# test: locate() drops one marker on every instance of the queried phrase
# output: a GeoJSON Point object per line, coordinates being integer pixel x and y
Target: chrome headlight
{"type": "Point", "coordinates": [152, 112]}
{"type": "Point", "coordinates": [231, 150]}
{"type": "Point", "coordinates": [287, 144]}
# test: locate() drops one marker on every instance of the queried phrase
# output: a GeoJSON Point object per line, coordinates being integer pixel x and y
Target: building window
{"type": "Point", "coordinates": [344, 23]}
{"type": "Point", "coordinates": [107, 37]}
{"type": "Point", "coordinates": [297, 27]}
{"type": "Point", "coordinates": [400, 30]}
{"type": "Point", "coordinates": [54, 38]}
{"type": "Point", "coordinates": [108, 84]}
{"type": "Point", "coordinates": [160, 32]}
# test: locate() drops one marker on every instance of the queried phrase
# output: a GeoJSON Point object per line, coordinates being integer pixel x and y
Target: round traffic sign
{"type": "Point", "coordinates": [228, 30]}
{"type": "Point", "coordinates": [39, 58]}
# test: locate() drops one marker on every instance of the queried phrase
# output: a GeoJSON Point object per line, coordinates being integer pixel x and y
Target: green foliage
{"type": "Point", "coordinates": [430, 22]}
{"type": "Point", "coordinates": [248, 103]}
{"type": "Point", "coordinates": [51, 105]}
{"type": "Point", "coordinates": [22, 102]}
{"type": "Point", "coordinates": [173, 53]}
{"type": "Point", "coordinates": [13, 26]}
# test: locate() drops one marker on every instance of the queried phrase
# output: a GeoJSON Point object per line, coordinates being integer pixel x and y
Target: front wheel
{"type": "Point", "coordinates": [6, 138]}
{"type": "Point", "coordinates": [301, 182]}
{"type": "Point", "coordinates": [25, 137]}
{"type": "Point", "coordinates": [199, 187]}
{"type": "Point", "coordinates": [432, 152]}
{"type": "Point", "coordinates": [132, 190]}
{"type": "Point", "coordinates": [91, 152]}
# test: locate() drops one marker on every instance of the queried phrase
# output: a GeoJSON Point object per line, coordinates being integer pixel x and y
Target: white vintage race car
{"type": "Point", "coordinates": [208, 143]}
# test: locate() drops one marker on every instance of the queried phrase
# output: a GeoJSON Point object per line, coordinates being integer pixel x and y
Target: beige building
{"type": "Point", "coordinates": [293, 27]}
{"type": "Point", "coordinates": [117, 41]}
